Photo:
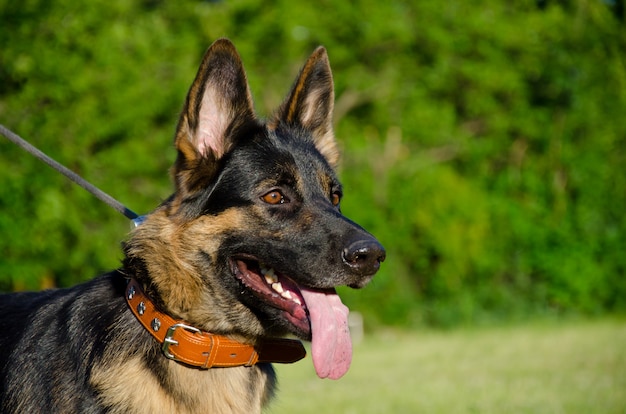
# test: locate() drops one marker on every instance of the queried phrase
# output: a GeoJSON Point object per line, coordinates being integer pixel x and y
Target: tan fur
{"type": "Point", "coordinates": [298, 90]}
{"type": "Point", "coordinates": [130, 387]}
{"type": "Point", "coordinates": [328, 148]}
{"type": "Point", "coordinates": [169, 248]}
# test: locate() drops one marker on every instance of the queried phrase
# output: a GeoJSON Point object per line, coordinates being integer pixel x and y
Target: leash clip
{"type": "Point", "coordinates": [137, 221]}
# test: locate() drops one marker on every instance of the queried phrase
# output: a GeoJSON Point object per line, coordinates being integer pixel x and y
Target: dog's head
{"type": "Point", "coordinates": [253, 241]}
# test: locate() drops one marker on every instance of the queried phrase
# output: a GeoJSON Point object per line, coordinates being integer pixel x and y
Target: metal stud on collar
{"type": "Point", "coordinates": [155, 324]}
{"type": "Point", "coordinates": [141, 308]}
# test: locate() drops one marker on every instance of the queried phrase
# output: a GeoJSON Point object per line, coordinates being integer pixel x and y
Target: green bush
{"type": "Point", "coordinates": [484, 141]}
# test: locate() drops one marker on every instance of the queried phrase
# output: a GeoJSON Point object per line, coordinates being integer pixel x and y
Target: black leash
{"type": "Point", "coordinates": [101, 195]}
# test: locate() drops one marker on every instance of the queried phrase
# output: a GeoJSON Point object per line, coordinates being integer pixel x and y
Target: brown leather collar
{"type": "Point", "coordinates": [192, 346]}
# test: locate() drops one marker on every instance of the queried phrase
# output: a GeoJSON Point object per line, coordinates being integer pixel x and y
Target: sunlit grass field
{"type": "Point", "coordinates": [569, 367]}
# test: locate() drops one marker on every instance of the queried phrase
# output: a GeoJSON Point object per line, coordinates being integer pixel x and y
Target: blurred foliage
{"type": "Point", "coordinates": [485, 142]}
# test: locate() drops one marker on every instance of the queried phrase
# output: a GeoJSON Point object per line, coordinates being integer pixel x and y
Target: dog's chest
{"type": "Point", "coordinates": [131, 387]}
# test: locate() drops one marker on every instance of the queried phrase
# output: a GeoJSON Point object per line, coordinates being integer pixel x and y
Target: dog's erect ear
{"type": "Point", "coordinates": [218, 104]}
{"type": "Point", "coordinates": [310, 104]}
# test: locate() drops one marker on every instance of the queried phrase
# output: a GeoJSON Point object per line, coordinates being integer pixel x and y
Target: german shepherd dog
{"type": "Point", "coordinates": [248, 249]}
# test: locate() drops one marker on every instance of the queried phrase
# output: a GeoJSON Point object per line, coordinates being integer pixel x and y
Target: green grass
{"type": "Point", "coordinates": [570, 367]}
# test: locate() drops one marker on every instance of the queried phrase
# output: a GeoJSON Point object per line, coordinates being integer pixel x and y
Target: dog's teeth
{"type": "Point", "coordinates": [272, 280]}
{"type": "Point", "coordinates": [288, 295]}
{"type": "Point", "coordinates": [270, 277]}
{"type": "Point", "coordinates": [277, 287]}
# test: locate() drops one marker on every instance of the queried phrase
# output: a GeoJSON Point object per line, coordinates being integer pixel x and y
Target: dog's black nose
{"type": "Point", "coordinates": [364, 256]}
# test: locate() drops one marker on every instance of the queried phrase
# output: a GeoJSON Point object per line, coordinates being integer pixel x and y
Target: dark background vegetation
{"type": "Point", "coordinates": [484, 141]}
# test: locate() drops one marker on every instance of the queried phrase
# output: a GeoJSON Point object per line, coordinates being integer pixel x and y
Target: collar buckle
{"type": "Point", "coordinates": [170, 341]}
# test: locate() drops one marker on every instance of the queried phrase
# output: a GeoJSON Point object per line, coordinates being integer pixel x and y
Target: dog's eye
{"type": "Point", "coordinates": [275, 197]}
{"type": "Point", "coordinates": [335, 198]}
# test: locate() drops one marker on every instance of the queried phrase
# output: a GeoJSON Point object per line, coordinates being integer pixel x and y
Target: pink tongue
{"type": "Point", "coordinates": [331, 345]}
